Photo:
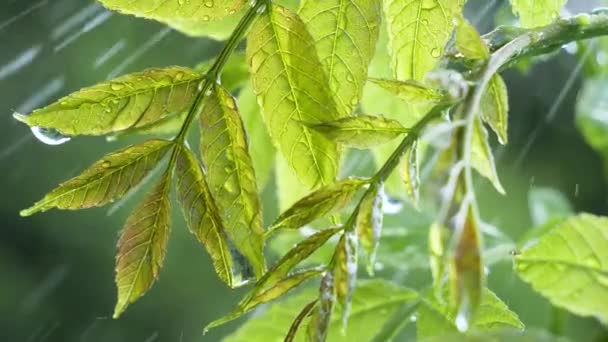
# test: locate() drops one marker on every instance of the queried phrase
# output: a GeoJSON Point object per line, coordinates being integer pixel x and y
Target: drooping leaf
{"type": "Point", "coordinates": [569, 266]}
{"type": "Point", "coordinates": [106, 180]}
{"type": "Point", "coordinates": [130, 101]}
{"type": "Point", "coordinates": [410, 91]}
{"type": "Point", "coordinates": [469, 42]}
{"type": "Point", "coordinates": [345, 271]}
{"type": "Point", "coordinates": [256, 298]}
{"type": "Point", "coordinates": [360, 131]}
{"type": "Point", "coordinates": [418, 31]}
{"type": "Point", "coordinates": [435, 319]}
{"type": "Point", "coordinates": [204, 221]}
{"type": "Point", "coordinates": [534, 13]}
{"type": "Point", "coordinates": [410, 172]}
{"type": "Point", "coordinates": [481, 156]}
{"type": "Point", "coordinates": [230, 175]}
{"type": "Point", "coordinates": [293, 330]}
{"type": "Point", "coordinates": [495, 108]}
{"type": "Point", "coordinates": [142, 246]}
{"type": "Point", "coordinates": [291, 90]}
{"type": "Point", "coordinates": [466, 271]}
{"type": "Point", "coordinates": [263, 155]}
{"type": "Point", "coordinates": [375, 302]}
{"type": "Point", "coordinates": [345, 34]}
{"type": "Point", "coordinates": [319, 203]}
{"type": "Point", "coordinates": [369, 222]}
{"type": "Point", "coordinates": [318, 326]}
{"type": "Point", "coordinates": [438, 235]}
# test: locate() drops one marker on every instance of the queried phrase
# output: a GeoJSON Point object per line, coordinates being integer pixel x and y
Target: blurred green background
{"type": "Point", "coordinates": [57, 268]}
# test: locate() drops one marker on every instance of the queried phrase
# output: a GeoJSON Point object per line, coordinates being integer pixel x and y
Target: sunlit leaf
{"type": "Point", "coordinates": [106, 180]}
{"type": "Point", "coordinates": [495, 108]}
{"type": "Point", "coordinates": [361, 131]}
{"type": "Point", "coordinates": [466, 269]}
{"type": "Point", "coordinates": [369, 222]}
{"type": "Point", "coordinates": [230, 175]}
{"type": "Point", "coordinates": [204, 221]}
{"type": "Point", "coordinates": [319, 203]}
{"type": "Point", "coordinates": [142, 246]}
{"type": "Point", "coordinates": [375, 301]}
{"type": "Point", "coordinates": [289, 187]}
{"type": "Point", "coordinates": [533, 13]}
{"type": "Point", "coordinates": [569, 266]}
{"type": "Point", "coordinates": [291, 90]}
{"type": "Point", "coordinates": [469, 42]}
{"type": "Point", "coordinates": [256, 298]}
{"type": "Point", "coordinates": [167, 126]}
{"type": "Point", "coordinates": [500, 335]}
{"type": "Point", "coordinates": [481, 155]}
{"type": "Point", "coordinates": [130, 101]}
{"type": "Point", "coordinates": [235, 73]}
{"type": "Point", "coordinates": [410, 91]}
{"type": "Point", "coordinates": [409, 170]}
{"type": "Point", "coordinates": [345, 34]}
{"type": "Point", "coordinates": [318, 326]}
{"type": "Point", "coordinates": [418, 31]}
{"type": "Point", "coordinates": [345, 272]}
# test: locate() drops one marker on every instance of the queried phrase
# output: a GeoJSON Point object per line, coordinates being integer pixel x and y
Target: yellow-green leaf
{"type": "Point", "coordinates": [130, 101]}
{"type": "Point", "coordinates": [495, 108]}
{"type": "Point", "coordinates": [230, 175]}
{"type": "Point", "coordinates": [142, 246]}
{"type": "Point", "coordinates": [318, 326]}
{"type": "Point", "coordinates": [569, 265]}
{"type": "Point", "coordinates": [106, 180]}
{"type": "Point", "coordinates": [413, 92]}
{"type": "Point", "coordinates": [204, 221]}
{"type": "Point", "coordinates": [533, 13]}
{"type": "Point", "coordinates": [319, 203]}
{"type": "Point", "coordinates": [469, 42]}
{"type": "Point", "coordinates": [481, 155]}
{"type": "Point", "coordinates": [410, 172]}
{"type": "Point", "coordinates": [345, 271]}
{"type": "Point", "coordinates": [291, 90]}
{"type": "Point", "coordinates": [295, 325]}
{"type": "Point", "coordinates": [289, 187]}
{"type": "Point", "coordinates": [418, 31]}
{"type": "Point", "coordinates": [361, 131]}
{"type": "Point", "coordinates": [345, 34]}
{"type": "Point", "coordinates": [369, 222]}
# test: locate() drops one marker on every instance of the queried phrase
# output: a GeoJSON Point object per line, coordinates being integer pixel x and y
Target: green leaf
{"type": "Point", "coordinates": [167, 126]}
{"type": "Point", "coordinates": [130, 101]}
{"type": "Point", "coordinates": [469, 42]}
{"type": "Point", "coordinates": [369, 222]}
{"type": "Point", "coordinates": [289, 187]}
{"type": "Point", "coordinates": [219, 29]}
{"type": "Point", "coordinates": [466, 273]}
{"type": "Point", "coordinates": [291, 90]}
{"type": "Point", "coordinates": [324, 201]}
{"type": "Point", "coordinates": [345, 34]}
{"type": "Point", "coordinates": [410, 172]}
{"type": "Point", "coordinates": [361, 131]}
{"type": "Point", "coordinates": [534, 13]}
{"type": "Point", "coordinates": [495, 108]}
{"type": "Point", "coordinates": [410, 91]}
{"type": "Point", "coordinates": [437, 240]}
{"type": "Point", "coordinates": [204, 221]}
{"type": "Point", "coordinates": [142, 246]}
{"type": "Point", "coordinates": [293, 330]}
{"type": "Point", "coordinates": [481, 156]}
{"type": "Point", "coordinates": [591, 109]}
{"type": "Point", "coordinates": [230, 175]}
{"type": "Point", "coordinates": [345, 271]}
{"type": "Point", "coordinates": [375, 302]}
{"type": "Point", "coordinates": [569, 266]}
{"type": "Point", "coordinates": [263, 155]}
{"type": "Point", "coordinates": [235, 73]}
{"type": "Point", "coordinates": [318, 326]}
{"type": "Point", "coordinates": [256, 298]}
{"type": "Point", "coordinates": [504, 335]}
{"type": "Point", "coordinates": [435, 319]}
{"type": "Point", "coordinates": [106, 180]}
{"type": "Point", "coordinates": [418, 31]}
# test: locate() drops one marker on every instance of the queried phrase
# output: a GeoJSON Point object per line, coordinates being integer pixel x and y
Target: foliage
{"type": "Point", "coordinates": [307, 102]}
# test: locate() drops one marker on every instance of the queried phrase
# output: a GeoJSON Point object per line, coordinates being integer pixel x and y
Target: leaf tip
{"type": "Point", "coordinates": [28, 212]}
{"type": "Point", "coordinates": [20, 117]}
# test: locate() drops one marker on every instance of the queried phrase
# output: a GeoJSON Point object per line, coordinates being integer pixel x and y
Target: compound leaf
{"type": "Point", "coordinates": [230, 175]}
{"type": "Point", "coordinates": [569, 265]}
{"type": "Point", "coordinates": [361, 131]}
{"type": "Point", "coordinates": [345, 34]}
{"type": "Point", "coordinates": [106, 180]}
{"type": "Point", "coordinates": [142, 246]}
{"type": "Point", "coordinates": [291, 90]}
{"type": "Point", "coordinates": [130, 101]}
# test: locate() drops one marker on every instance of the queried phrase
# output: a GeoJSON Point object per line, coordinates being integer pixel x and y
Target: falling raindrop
{"type": "Point", "coordinates": [49, 136]}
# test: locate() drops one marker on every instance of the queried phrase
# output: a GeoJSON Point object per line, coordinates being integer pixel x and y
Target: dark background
{"type": "Point", "coordinates": [57, 268]}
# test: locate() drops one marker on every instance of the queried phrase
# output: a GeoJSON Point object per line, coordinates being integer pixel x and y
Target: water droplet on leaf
{"type": "Point", "coordinates": [49, 136]}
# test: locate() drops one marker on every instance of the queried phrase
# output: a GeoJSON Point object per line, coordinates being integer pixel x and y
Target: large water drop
{"type": "Point", "coordinates": [49, 136]}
